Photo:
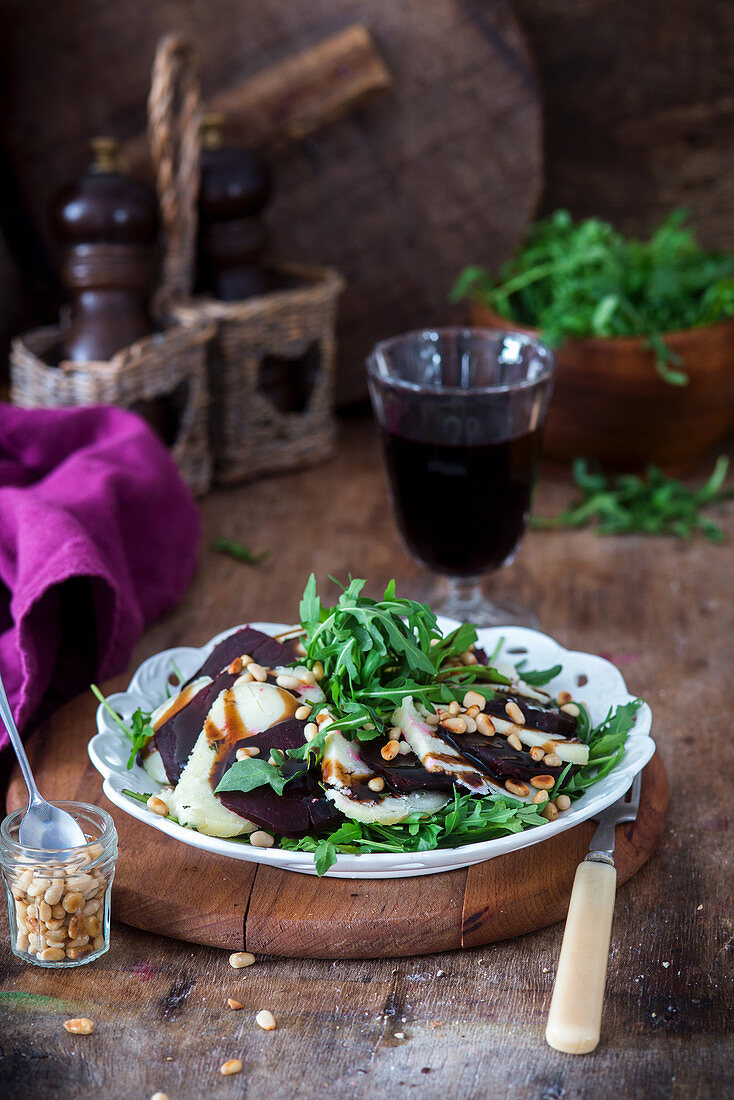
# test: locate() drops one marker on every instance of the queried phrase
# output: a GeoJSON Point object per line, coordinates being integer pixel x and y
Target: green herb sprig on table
{"type": "Point", "coordinates": [240, 551]}
{"type": "Point", "coordinates": [139, 730]}
{"type": "Point", "coordinates": [654, 505]}
{"type": "Point", "coordinates": [580, 279]}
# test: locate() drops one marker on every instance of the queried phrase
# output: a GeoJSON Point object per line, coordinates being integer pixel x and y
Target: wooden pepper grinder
{"type": "Point", "coordinates": [234, 189]}
{"type": "Point", "coordinates": [106, 223]}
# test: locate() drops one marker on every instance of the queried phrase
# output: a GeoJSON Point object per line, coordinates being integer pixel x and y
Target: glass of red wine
{"type": "Point", "coordinates": [461, 414]}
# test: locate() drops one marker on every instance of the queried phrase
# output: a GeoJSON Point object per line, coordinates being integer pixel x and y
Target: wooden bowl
{"type": "Point", "coordinates": [610, 404]}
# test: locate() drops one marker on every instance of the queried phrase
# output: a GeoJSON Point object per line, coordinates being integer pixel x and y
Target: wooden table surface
{"type": "Point", "coordinates": [466, 1024]}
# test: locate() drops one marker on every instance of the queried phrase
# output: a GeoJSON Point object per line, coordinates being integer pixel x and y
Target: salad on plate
{"type": "Point", "coordinates": [366, 729]}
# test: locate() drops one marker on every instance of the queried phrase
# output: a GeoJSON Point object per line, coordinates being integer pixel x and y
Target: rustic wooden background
{"type": "Point", "coordinates": [639, 117]}
{"type": "Point", "coordinates": [455, 1025]}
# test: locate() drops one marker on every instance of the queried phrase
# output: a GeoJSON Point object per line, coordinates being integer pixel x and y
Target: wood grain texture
{"type": "Point", "coordinates": [664, 612]}
{"type": "Point", "coordinates": [444, 169]}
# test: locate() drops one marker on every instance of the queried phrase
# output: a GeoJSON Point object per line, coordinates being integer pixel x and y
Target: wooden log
{"type": "Point", "coordinates": [287, 102]}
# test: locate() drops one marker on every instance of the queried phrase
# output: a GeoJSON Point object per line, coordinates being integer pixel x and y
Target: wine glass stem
{"type": "Point", "coordinates": [465, 596]}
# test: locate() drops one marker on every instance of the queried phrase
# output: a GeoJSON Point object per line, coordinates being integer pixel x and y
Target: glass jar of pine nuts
{"type": "Point", "coordinates": [59, 901]}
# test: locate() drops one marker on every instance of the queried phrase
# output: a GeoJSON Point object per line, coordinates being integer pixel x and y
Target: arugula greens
{"type": "Point", "coordinates": [375, 653]}
{"type": "Point", "coordinates": [577, 279]}
{"type": "Point", "coordinates": [139, 731]}
{"type": "Point", "coordinates": [240, 551]}
{"type": "Point", "coordinates": [653, 505]}
{"type": "Point", "coordinates": [468, 819]}
{"type": "Point", "coordinates": [247, 775]}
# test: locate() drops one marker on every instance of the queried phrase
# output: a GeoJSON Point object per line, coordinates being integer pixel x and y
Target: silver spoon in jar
{"type": "Point", "coordinates": [44, 826]}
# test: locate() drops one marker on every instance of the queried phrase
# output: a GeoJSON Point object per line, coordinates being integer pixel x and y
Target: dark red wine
{"type": "Point", "coordinates": [462, 509]}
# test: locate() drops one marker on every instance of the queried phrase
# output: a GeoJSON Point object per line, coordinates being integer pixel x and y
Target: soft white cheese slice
{"type": "Point", "coordinates": [517, 685]}
{"type": "Point", "coordinates": [341, 764]}
{"type": "Point", "coordinates": [259, 706]}
{"type": "Point", "coordinates": [391, 809]}
{"type": "Point", "coordinates": [194, 803]}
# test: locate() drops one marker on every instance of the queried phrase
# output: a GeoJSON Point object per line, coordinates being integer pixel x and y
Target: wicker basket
{"type": "Point", "coordinates": [169, 365]}
{"type": "Point", "coordinates": [249, 434]}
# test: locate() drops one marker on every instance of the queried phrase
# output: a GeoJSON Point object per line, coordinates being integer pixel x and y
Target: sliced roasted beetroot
{"type": "Point", "coordinates": [265, 650]}
{"type": "Point", "coordinates": [404, 773]}
{"type": "Point", "coordinates": [496, 757]}
{"type": "Point", "coordinates": [176, 737]}
{"type": "Point", "coordinates": [537, 717]}
{"type": "Point", "coordinates": [302, 808]}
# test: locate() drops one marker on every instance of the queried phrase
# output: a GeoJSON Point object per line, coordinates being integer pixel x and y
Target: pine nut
{"type": "Point", "coordinates": [564, 697]}
{"type": "Point", "coordinates": [431, 719]}
{"type": "Point", "coordinates": [563, 802]}
{"type": "Point", "coordinates": [261, 839]}
{"type": "Point", "coordinates": [514, 713]}
{"type": "Point", "coordinates": [24, 880]}
{"type": "Point", "coordinates": [376, 784]}
{"type": "Point", "coordinates": [79, 1026]}
{"type": "Point", "coordinates": [77, 926]}
{"type": "Point", "coordinates": [92, 906]}
{"type": "Point", "coordinates": [58, 912]}
{"type": "Point", "coordinates": [404, 748]}
{"type": "Point", "coordinates": [318, 670]}
{"type": "Point", "coordinates": [572, 709]}
{"type": "Point", "coordinates": [246, 753]}
{"type": "Point", "coordinates": [236, 667]}
{"type": "Point", "coordinates": [454, 707]}
{"type": "Point", "coordinates": [290, 683]}
{"type": "Point", "coordinates": [474, 699]}
{"type": "Point", "coordinates": [310, 730]}
{"type": "Point", "coordinates": [56, 937]}
{"type": "Point", "coordinates": [92, 926]}
{"type": "Point", "coordinates": [79, 941]}
{"type": "Point", "coordinates": [308, 678]}
{"type": "Point", "coordinates": [80, 882]}
{"type": "Point", "coordinates": [516, 787]}
{"type": "Point", "coordinates": [468, 658]}
{"type": "Point", "coordinates": [247, 660]}
{"type": "Point", "coordinates": [98, 942]}
{"type": "Point", "coordinates": [54, 893]}
{"type": "Point", "coordinates": [234, 1005]}
{"type": "Point", "coordinates": [22, 941]}
{"type": "Point", "coordinates": [232, 1066]}
{"type": "Point", "coordinates": [551, 760]}
{"type": "Point", "coordinates": [247, 678]}
{"type": "Point", "coordinates": [536, 753]}
{"type": "Point", "coordinates": [159, 1096]}
{"type": "Point", "coordinates": [303, 712]}
{"type": "Point", "coordinates": [257, 672]}
{"type": "Point", "coordinates": [550, 813]}
{"type": "Point", "coordinates": [241, 958]}
{"type": "Point", "coordinates": [472, 712]}
{"type": "Point", "coordinates": [540, 798]}
{"type": "Point", "coordinates": [390, 750]}
{"type": "Point", "coordinates": [543, 782]}
{"type": "Point", "coordinates": [485, 725]}
{"type": "Point", "coordinates": [515, 741]}
{"type": "Point", "coordinates": [36, 889]}
{"type": "Point", "coordinates": [456, 725]}
{"type": "Point", "coordinates": [77, 952]}
{"type": "Point", "coordinates": [157, 805]}
{"type": "Point", "coordinates": [471, 726]}
{"type": "Point", "coordinates": [265, 1020]}
{"type": "Point", "coordinates": [44, 911]}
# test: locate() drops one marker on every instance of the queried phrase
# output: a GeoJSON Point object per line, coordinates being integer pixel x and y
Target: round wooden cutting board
{"type": "Point", "coordinates": [166, 887]}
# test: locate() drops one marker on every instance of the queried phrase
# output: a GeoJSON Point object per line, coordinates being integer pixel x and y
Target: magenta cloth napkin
{"type": "Point", "coordinates": [98, 537]}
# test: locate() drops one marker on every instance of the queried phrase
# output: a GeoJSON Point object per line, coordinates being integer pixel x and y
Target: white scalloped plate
{"type": "Point", "coordinates": [604, 687]}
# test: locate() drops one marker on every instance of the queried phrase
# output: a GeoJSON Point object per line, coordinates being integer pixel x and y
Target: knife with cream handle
{"type": "Point", "coordinates": [574, 1020]}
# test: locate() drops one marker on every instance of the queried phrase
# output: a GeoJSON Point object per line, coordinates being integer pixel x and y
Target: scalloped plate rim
{"type": "Point", "coordinates": [640, 748]}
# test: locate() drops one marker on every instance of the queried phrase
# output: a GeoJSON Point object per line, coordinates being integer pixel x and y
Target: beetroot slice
{"type": "Point", "coordinates": [537, 717]}
{"type": "Point", "coordinates": [176, 737]}
{"type": "Point", "coordinates": [265, 650]}
{"type": "Point", "coordinates": [404, 774]}
{"type": "Point", "coordinates": [496, 757]}
{"type": "Point", "coordinates": [302, 808]}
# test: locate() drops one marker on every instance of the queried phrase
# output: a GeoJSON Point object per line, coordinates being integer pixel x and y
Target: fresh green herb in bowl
{"type": "Point", "coordinates": [576, 279]}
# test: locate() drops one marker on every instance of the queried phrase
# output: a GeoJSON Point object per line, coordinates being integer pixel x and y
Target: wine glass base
{"type": "Point", "coordinates": [472, 606]}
